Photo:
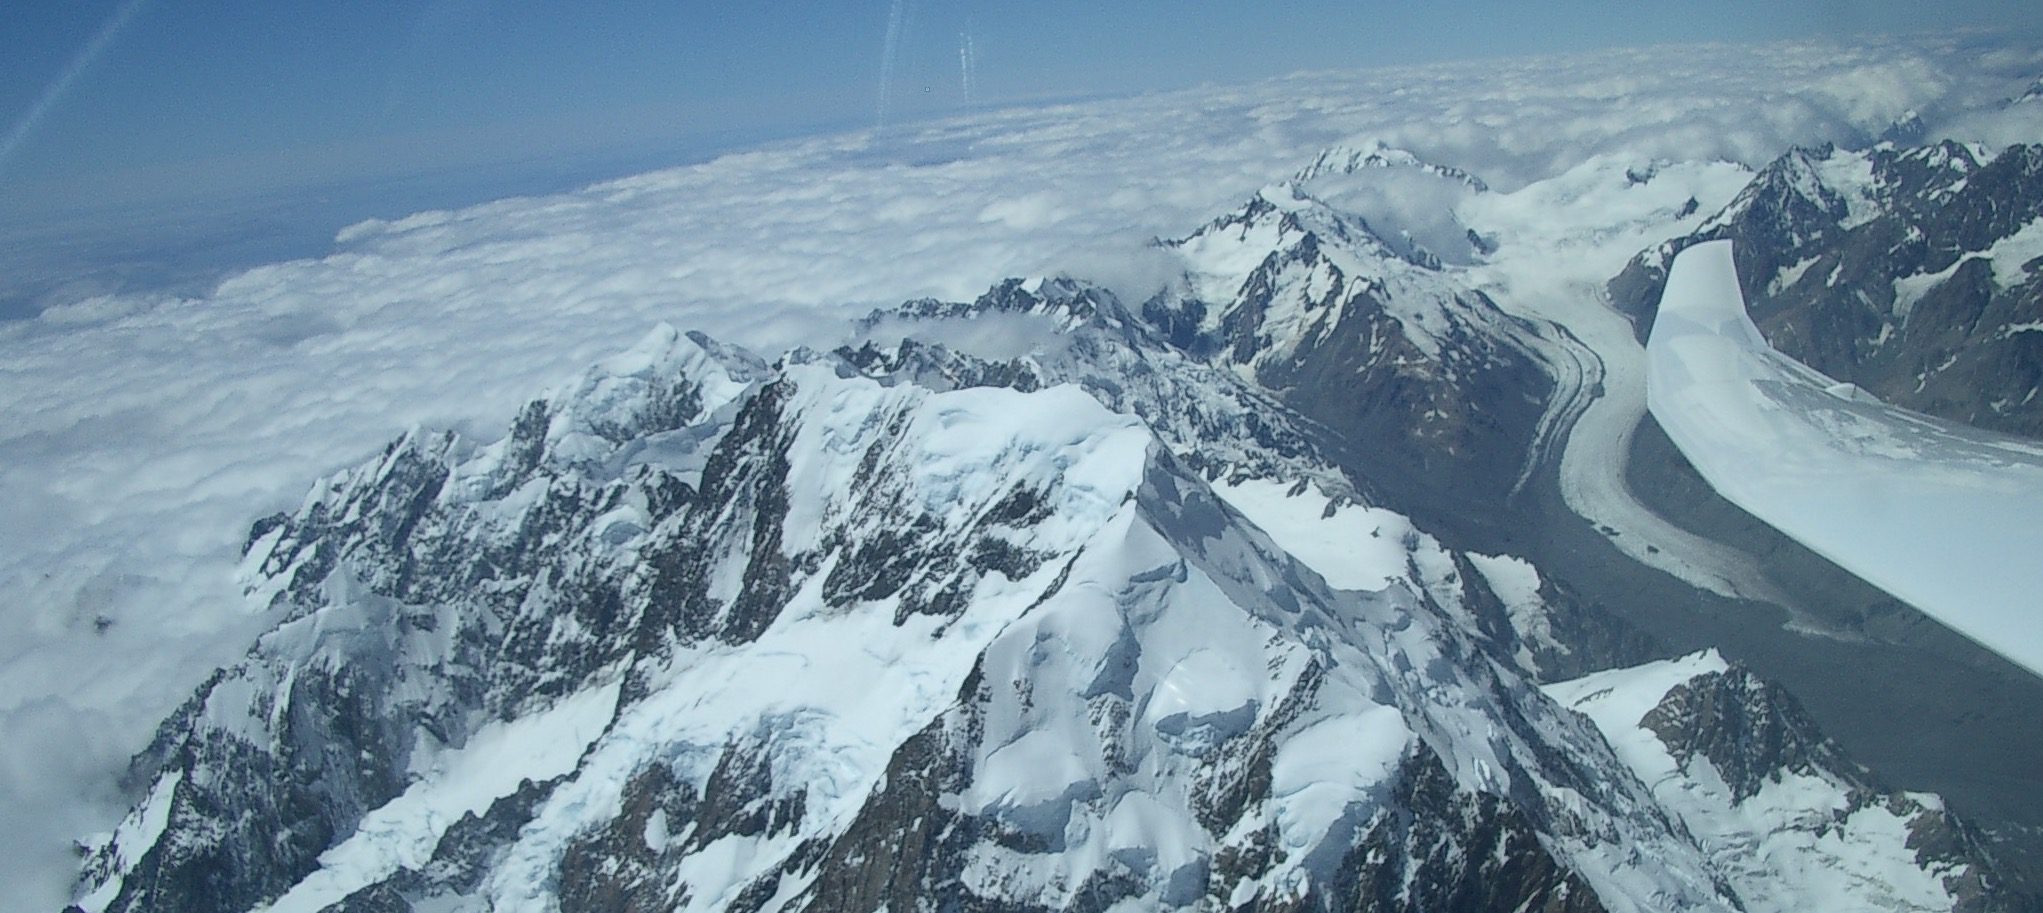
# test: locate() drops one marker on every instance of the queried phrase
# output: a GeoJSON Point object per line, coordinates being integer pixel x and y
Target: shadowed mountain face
{"type": "Point", "coordinates": [1176, 610]}
{"type": "Point", "coordinates": [1908, 272]}
{"type": "Point", "coordinates": [1369, 339]}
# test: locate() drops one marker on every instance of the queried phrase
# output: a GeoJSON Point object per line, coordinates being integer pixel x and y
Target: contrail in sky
{"type": "Point", "coordinates": [896, 12]}
{"type": "Point", "coordinates": [92, 51]}
{"type": "Point", "coordinates": [967, 61]}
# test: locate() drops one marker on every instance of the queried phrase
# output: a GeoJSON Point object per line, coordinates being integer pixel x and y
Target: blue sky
{"type": "Point", "coordinates": [217, 98]}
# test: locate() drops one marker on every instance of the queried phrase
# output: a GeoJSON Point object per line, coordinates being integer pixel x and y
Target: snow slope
{"type": "Point", "coordinates": [1793, 824]}
{"type": "Point", "coordinates": [1941, 516]}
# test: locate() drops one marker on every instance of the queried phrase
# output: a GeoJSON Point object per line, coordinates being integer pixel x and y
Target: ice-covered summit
{"type": "Point", "coordinates": [1363, 154]}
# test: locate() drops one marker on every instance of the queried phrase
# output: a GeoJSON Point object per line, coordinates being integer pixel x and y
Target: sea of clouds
{"type": "Point", "coordinates": [141, 434]}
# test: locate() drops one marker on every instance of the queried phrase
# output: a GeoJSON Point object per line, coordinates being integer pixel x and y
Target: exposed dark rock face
{"type": "Point", "coordinates": [1442, 389]}
{"type": "Point", "coordinates": [743, 501]}
{"type": "Point", "coordinates": [903, 849]}
{"type": "Point", "coordinates": [1750, 730]}
{"type": "Point", "coordinates": [1464, 420]}
{"type": "Point", "coordinates": [1900, 270]}
{"type": "Point", "coordinates": [1476, 853]}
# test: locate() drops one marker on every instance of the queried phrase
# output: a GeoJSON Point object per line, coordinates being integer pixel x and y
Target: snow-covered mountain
{"type": "Point", "coordinates": [1354, 158]}
{"type": "Point", "coordinates": [905, 627]}
{"type": "Point", "coordinates": [1052, 601]}
{"type": "Point", "coordinates": [2032, 94]}
{"type": "Point", "coordinates": [1368, 338]}
{"type": "Point", "coordinates": [1792, 823]}
{"type": "Point", "coordinates": [1269, 461]}
{"type": "Point", "coordinates": [1908, 272]}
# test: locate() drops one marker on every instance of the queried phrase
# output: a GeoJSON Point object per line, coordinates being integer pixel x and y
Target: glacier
{"type": "Point", "coordinates": [1942, 516]}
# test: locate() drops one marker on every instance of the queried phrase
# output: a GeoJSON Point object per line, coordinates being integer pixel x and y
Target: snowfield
{"type": "Point", "coordinates": [1941, 516]}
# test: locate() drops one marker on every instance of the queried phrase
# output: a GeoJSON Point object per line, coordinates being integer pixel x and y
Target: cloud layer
{"type": "Point", "coordinates": [139, 435]}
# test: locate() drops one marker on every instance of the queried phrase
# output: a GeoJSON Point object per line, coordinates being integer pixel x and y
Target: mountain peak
{"type": "Point", "coordinates": [1366, 154]}
{"type": "Point", "coordinates": [2034, 93]}
{"type": "Point", "coordinates": [1739, 763]}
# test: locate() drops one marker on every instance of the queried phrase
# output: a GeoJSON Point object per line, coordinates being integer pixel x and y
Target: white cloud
{"type": "Point", "coordinates": [140, 435]}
